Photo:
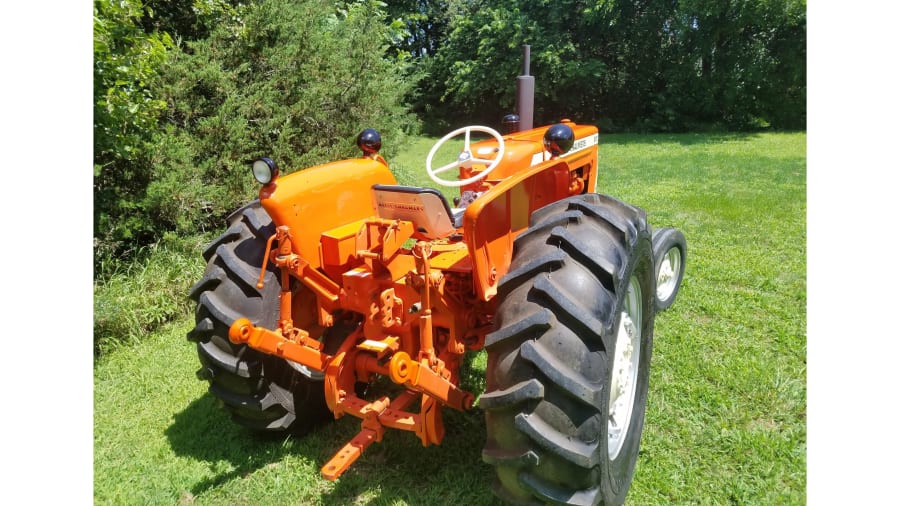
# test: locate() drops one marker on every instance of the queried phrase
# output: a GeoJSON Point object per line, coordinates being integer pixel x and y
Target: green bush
{"type": "Point", "coordinates": [654, 65]}
{"type": "Point", "coordinates": [296, 81]}
{"type": "Point", "coordinates": [126, 113]}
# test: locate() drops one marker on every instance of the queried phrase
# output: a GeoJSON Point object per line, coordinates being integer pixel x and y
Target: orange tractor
{"type": "Point", "coordinates": [338, 276]}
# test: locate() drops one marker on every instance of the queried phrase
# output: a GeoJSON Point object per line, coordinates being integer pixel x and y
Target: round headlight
{"type": "Point", "coordinates": [265, 170]}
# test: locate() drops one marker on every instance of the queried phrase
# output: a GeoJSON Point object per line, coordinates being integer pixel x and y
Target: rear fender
{"type": "Point", "coordinates": [321, 198]}
{"type": "Point", "coordinates": [493, 221]}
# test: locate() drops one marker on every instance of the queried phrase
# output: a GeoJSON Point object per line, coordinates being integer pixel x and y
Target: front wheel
{"type": "Point", "coordinates": [568, 362]}
{"type": "Point", "coordinates": [669, 255]}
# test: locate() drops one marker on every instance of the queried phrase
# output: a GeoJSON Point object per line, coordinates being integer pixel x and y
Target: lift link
{"type": "Point", "coordinates": [419, 377]}
{"type": "Point", "coordinates": [421, 251]}
{"type": "Point", "coordinates": [301, 349]}
{"type": "Point", "coordinates": [292, 264]}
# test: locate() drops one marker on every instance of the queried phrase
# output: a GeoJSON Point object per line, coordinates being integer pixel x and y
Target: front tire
{"type": "Point", "coordinates": [260, 391]}
{"type": "Point", "coordinates": [568, 362]}
{"type": "Point", "coordinates": [669, 256]}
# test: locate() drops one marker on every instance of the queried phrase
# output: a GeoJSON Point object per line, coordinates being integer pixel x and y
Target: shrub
{"type": "Point", "coordinates": [296, 81]}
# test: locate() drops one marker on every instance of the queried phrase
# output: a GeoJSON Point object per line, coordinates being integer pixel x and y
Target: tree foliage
{"type": "Point", "coordinates": [296, 81]}
{"type": "Point", "coordinates": [187, 20]}
{"type": "Point", "coordinates": [187, 92]}
{"type": "Point", "coordinates": [126, 60]}
{"type": "Point", "coordinates": [425, 23]}
{"type": "Point", "coordinates": [646, 64]}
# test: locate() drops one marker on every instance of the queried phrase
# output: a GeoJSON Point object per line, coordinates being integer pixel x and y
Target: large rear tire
{"type": "Point", "coordinates": [568, 361]}
{"type": "Point", "coordinates": [260, 391]}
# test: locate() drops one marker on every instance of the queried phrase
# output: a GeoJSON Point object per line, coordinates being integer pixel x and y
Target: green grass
{"type": "Point", "coordinates": [409, 166]}
{"type": "Point", "coordinates": [727, 409]}
{"type": "Point", "coordinates": [133, 300]}
{"type": "Point", "coordinates": [726, 419]}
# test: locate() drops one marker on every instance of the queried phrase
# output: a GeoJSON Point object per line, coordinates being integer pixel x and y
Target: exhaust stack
{"type": "Point", "coordinates": [525, 92]}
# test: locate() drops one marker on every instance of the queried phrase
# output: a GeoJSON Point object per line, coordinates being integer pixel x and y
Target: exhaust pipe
{"type": "Point", "coordinates": [525, 92]}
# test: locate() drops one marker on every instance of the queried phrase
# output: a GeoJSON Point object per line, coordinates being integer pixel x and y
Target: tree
{"type": "Point", "coordinates": [425, 22]}
{"type": "Point", "coordinates": [176, 125]}
{"type": "Point", "coordinates": [187, 20]}
{"type": "Point", "coordinates": [636, 64]}
{"type": "Point", "coordinates": [296, 81]}
{"type": "Point", "coordinates": [126, 59]}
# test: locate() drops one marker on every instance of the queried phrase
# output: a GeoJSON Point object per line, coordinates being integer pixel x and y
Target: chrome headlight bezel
{"type": "Point", "coordinates": [265, 170]}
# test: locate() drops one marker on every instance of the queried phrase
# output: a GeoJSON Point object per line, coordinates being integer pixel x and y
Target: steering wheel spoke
{"type": "Point", "coordinates": [445, 168]}
{"type": "Point", "coordinates": [468, 159]}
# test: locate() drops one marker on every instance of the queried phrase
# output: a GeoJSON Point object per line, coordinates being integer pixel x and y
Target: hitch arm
{"type": "Point", "coordinates": [302, 349]}
{"type": "Point", "coordinates": [419, 377]}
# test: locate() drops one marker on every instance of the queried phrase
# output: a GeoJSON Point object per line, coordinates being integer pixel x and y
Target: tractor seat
{"type": "Point", "coordinates": [426, 208]}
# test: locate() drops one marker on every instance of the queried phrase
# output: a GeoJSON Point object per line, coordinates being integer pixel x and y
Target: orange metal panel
{"type": "Point", "coordinates": [322, 198]}
{"type": "Point", "coordinates": [492, 222]}
{"type": "Point", "coordinates": [455, 260]}
{"type": "Point", "coordinates": [531, 181]}
{"type": "Point", "coordinates": [338, 246]}
{"type": "Point", "coordinates": [525, 149]}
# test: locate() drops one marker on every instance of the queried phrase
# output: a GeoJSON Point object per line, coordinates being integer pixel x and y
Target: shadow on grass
{"type": "Point", "coordinates": [400, 469]}
{"type": "Point", "coordinates": [397, 469]}
{"type": "Point", "coordinates": [204, 432]}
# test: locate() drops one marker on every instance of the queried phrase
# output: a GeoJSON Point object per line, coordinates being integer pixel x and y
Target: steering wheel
{"type": "Point", "coordinates": [465, 158]}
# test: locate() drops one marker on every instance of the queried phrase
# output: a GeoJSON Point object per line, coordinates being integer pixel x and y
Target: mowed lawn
{"type": "Point", "coordinates": [726, 417]}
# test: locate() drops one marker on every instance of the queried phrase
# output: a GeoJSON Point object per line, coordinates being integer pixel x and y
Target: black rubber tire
{"type": "Point", "coordinates": [260, 391]}
{"type": "Point", "coordinates": [549, 358]}
{"type": "Point", "coordinates": [664, 239]}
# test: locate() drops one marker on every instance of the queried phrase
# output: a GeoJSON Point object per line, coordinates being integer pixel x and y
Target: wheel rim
{"type": "Point", "coordinates": [625, 368]}
{"type": "Point", "coordinates": [667, 274]}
